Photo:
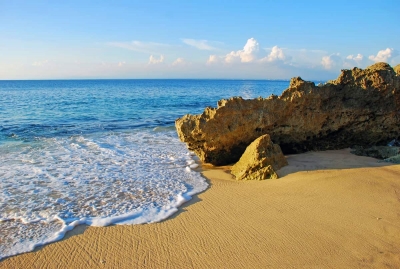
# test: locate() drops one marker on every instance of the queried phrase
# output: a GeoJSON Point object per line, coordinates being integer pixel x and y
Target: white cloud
{"type": "Point", "coordinates": [40, 63]}
{"type": "Point", "coordinates": [332, 61]}
{"type": "Point", "coordinates": [199, 44]}
{"type": "Point", "coordinates": [154, 60]}
{"type": "Point", "coordinates": [304, 58]}
{"type": "Point", "coordinates": [352, 61]}
{"type": "Point", "coordinates": [247, 54]}
{"type": "Point", "coordinates": [276, 54]}
{"type": "Point", "coordinates": [213, 59]}
{"type": "Point", "coordinates": [139, 46]}
{"type": "Point", "coordinates": [179, 61]}
{"type": "Point", "coordinates": [232, 57]}
{"type": "Point", "coordinates": [357, 58]}
{"type": "Point", "coordinates": [121, 64]}
{"type": "Point", "coordinates": [384, 55]}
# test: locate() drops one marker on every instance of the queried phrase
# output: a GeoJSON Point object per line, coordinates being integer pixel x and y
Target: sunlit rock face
{"type": "Point", "coordinates": [360, 107]}
{"type": "Point", "coordinates": [259, 161]}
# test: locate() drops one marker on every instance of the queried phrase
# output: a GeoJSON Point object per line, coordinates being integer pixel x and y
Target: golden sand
{"type": "Point", "coordinates": [328, 210]}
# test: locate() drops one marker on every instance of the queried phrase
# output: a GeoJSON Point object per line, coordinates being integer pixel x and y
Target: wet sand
{"type": "Point", "coordinates": [328, 210]}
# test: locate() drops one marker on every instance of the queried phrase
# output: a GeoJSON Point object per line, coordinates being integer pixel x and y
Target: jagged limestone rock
{"type": "Point", "coordinates": [360, 107]}
{"type": "Point", "coordinates": [397, 69]}
{"type": "Point", "coordinates": [259, 161]}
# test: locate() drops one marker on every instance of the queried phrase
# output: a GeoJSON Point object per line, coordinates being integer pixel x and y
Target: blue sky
{"type": "Point", "coordinates": [195, 39]}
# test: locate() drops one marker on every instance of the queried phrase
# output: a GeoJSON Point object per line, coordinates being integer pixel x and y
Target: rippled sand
{"type": "Point", "coordinates": [328, 210]}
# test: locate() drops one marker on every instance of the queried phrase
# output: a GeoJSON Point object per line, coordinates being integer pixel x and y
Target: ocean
{"type": "Point", "coordinates": [99, 152]}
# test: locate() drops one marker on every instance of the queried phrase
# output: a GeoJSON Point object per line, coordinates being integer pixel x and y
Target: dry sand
{"type": "Point", "coordinates": [328, 210]}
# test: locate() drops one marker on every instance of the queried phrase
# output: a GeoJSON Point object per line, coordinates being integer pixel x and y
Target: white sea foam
{"type": "Point", "coordinates": [194, 165]}
{"type": "Point", "coordinates": [49, 187]}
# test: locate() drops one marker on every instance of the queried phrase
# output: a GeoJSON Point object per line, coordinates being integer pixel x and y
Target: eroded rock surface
{"type": "Point", "coordinates": [360, 107]}
{"type": "Point", "coordinates": [259, 161]}
{"type": "Point", "coordinates": [397, 69]}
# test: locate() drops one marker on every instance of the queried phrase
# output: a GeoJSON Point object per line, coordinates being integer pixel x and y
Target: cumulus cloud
{"type": "Point", "coordinates": [247, 54]}
{"type": "Point", "coordinates": [213, 59]}
{"type": "Point", "coordinates": [179, 61]}
{"type": "Point", "coordinates": [276, 54]}
{"type": "Point", "coordinates": [40, 63]}
{"type": "Point", "coordinates": [332, 61]}
{"type": "Point", "coordinates": [199, 44]}
{"type": "Point", "coordinates": [357, 58]}
{"type": "Point", "coordinates": [154, 60]}
{"type": "Point", "coordinates": [352, 61]}
{"type": "Point", "coordinates": [384, 55]}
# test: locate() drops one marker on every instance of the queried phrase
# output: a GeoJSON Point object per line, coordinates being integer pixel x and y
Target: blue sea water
{"type": "Point", "coordinates": [99, 152]}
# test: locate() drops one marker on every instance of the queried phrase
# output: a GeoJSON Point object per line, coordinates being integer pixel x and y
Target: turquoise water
{"type": "Point", "coordinates": [98, 152]}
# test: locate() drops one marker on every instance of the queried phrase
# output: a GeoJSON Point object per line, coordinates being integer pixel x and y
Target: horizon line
{"type": "Point", "coordinates": [60, 79]}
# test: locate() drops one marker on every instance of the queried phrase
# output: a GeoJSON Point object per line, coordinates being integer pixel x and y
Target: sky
{"type": "Point", "coordinates": [195, 39]}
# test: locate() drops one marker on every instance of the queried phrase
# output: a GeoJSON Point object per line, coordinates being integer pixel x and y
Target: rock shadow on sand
{"type": "Point", "coordinates": [328, 160]}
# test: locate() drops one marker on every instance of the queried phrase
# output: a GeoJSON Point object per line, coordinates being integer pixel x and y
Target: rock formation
{"type": "Point", "coordinates": [379, 152]}
{"type": "Point", "coordinates": [360, 107]}
{"type": "Point", "coordinates": [394, 159]}
{"type": "Point", "coordinates": [259, 161]}
{"type": "Point", "coordinates": [397, 69]}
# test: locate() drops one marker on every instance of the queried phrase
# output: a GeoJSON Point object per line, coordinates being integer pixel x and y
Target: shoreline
{"type": "Point", "coordinates": [328, 209]}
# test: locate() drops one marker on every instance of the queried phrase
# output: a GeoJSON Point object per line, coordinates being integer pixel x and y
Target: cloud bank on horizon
{"type": "Point", "coordinates": [251, 61]}
{"type": "Point", "coordinates": [251, 54]}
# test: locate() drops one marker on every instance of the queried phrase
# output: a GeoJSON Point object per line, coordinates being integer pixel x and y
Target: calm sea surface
{"type": "Point", "coordinates": [98, 152]}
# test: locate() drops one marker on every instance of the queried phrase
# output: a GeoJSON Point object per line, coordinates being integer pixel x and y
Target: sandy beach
{"type": "Point", "coordinates": [328, 209]}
